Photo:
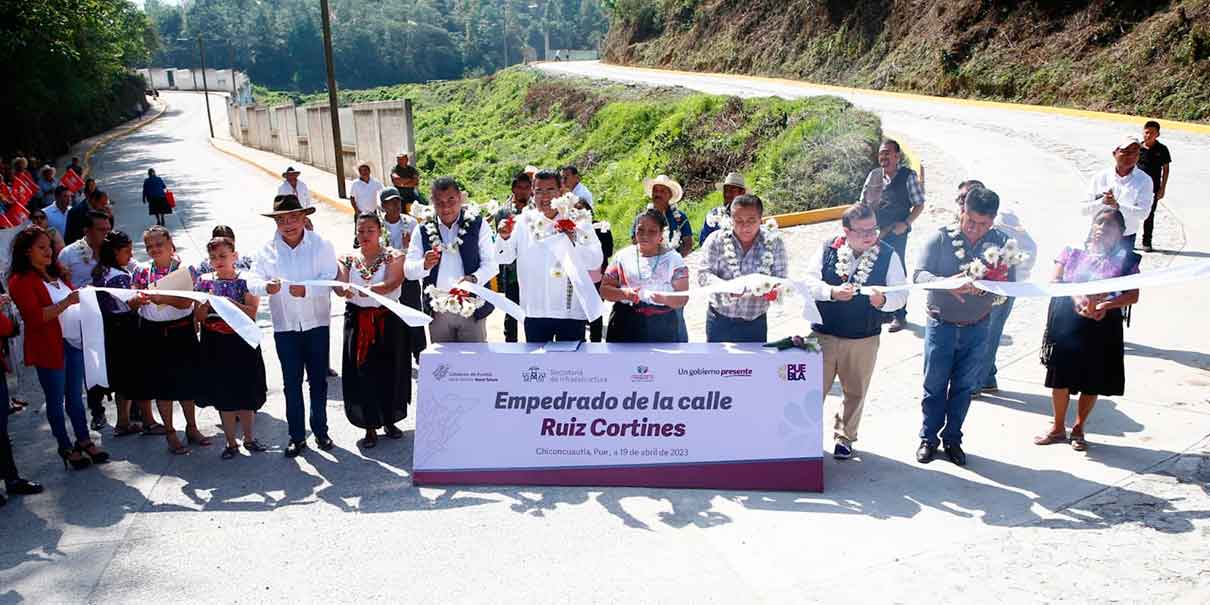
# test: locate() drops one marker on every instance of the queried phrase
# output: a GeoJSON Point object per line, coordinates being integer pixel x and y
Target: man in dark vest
{"type": "Point", "coordinates": [448, 248]}
{"type": "Point", "coordinates": [897, 197]}
{"type": "Point", "coordinates": [852, 268]}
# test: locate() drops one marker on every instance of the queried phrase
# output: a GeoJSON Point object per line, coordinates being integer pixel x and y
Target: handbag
{"type": "Point", "coordinates": [171, 197]}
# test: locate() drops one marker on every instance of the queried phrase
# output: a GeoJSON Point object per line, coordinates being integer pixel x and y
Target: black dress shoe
{"type": "Point", "coordinates": [324, 443]}
{"type": "Point", "coordinates": [23, 487]}
{"type": "Point", "coordinates": [925, 453]}
{"type": "Point", "coordinates": [295, 448]}
{"type": "Point", "coordinates": [956, 455]}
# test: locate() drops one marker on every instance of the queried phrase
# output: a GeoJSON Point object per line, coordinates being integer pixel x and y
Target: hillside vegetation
{"type": "Point", "coordinates": [798, 155]}
{"type": "Point", "coordinates": [1131, 56]}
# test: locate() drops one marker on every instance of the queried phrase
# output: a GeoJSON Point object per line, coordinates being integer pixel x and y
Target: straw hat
{"type": "Point", "coordinates": [677, 191]}
{"type": "Point", "coordinates": [287, 204]}
{"type": "Point", "coordinates": [734, 179]}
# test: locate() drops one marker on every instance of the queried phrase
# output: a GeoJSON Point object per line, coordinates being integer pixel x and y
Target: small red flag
{"type": "Point", "coordinates": [22, 192]}
{"type": "Point", "coordinates": [72, 181]}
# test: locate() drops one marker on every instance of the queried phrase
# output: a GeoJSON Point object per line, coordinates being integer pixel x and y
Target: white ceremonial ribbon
{"type": "Point", "coordinates": [410, 316]}
{"type": "Point", "coordinates": [495, 298]}
{"type": "Point", "coordinates": [586, 292]}
{"type": "Point", "coordinates": [743, 283]}
{"type": "Point", "coordinates": [92, 326]}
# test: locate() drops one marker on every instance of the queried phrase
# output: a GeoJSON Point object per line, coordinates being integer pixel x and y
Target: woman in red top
{"type": "Point", "coordinates": [48, 304]}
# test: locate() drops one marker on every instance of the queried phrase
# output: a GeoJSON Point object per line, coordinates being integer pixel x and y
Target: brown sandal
{"type": "Point", "coordinates": [1051, 438]}
{"type": "Point", "coordinates": [1077, 442]}
{"type": "Point", "coordinates": [122, 430]}
{"type": "Point", "coordinates": [174, 445]}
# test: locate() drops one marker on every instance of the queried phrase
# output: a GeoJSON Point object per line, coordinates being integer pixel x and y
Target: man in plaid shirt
{"type": "Point", "coordinates": [743, 249]}
{"type": "Point", "coordinates": [897, 197]}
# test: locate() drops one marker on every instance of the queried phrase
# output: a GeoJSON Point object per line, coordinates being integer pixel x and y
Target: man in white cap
{"type": "Point", "coordinates": [732, 187]}
{"type": "Point", "coordinates": [293, 186]}
{"type": "Point", "coordinates": [1124, 187]}
{"type": "Point", "coordinates": [363, 195]}
{"type": "Point", "coordinates": [665, 192]}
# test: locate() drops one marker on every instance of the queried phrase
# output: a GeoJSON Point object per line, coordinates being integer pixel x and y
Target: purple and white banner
{"type": "Point", "coordinates": [679, 415]}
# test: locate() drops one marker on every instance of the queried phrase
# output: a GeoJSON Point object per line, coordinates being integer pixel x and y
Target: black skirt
{"type": "Point", "coordinates": [171, 369]}
{"type": "Point", "coordinates": [410, 295]}
{"type": "Point", "coordinates": [1083, 355]}
{"type": "Point", "coordinates": [377, 390]}
{"type": "Point", "coordinates": [232, 376]}
{"type": "Point", "coordinates": [158, 205]}
{"type": "Point", "coordinates": [630, 323]}
{"type": "Point", "coordinates": [123, 350]}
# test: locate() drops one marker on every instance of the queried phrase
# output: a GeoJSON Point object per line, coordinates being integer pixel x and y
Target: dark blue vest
{"type": "Point", "coordinates": [894, 204]}
{"type": "Point", "coordinates": [469, 251]}
{"type": "Point", "coordinates": [854, 318]}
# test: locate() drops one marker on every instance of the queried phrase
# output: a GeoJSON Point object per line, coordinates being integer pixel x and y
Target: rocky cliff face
{"type": "Point", "coordinates": [1131, 56]}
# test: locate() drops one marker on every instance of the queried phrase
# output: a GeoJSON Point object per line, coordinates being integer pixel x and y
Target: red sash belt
{"type": "Point", "coordinates": [370, 325]}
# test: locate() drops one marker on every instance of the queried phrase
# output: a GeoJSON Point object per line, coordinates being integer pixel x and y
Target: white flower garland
{"type": "Point", "coordinates": [864, 264]}
{"type": "Point", "coordinates": [771, 290]}
{"type": "Point", "coordinates": [470, 212]}
{"type": "Point", "coordinates": [454, 302]}
{"type": "Point", "coordinates": [1000, 259]}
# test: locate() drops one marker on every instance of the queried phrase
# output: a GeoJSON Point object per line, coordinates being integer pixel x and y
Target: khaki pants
{"type": "Point", "coordinates": [851, 360]}
{"type": "Point", "coordinates": [447, 327]}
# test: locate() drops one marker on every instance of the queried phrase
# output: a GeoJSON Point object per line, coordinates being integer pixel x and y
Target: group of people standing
{"type": "Point", "coordinates": [545, 252]}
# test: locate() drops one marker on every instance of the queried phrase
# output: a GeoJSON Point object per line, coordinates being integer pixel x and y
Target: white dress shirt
{"type": "Point", "coordinates": [543, 294]}
{"type": "Point", "coordinates": [57, 218]}
{"type": "Point", "coordinates": [1134, 194]}
{"type": "Point", "coordinates": [303, 193]}
{"type": "Point", "coordinates": [894, 277]}
{"type": "Point", "coordinates": [313, 258]}
{"type": "Point", "coordinates": [79, 260]}
{"type": "Point", "coordinates": [365, 194]}
{"type": "Point", "coordinates": [450, 270]}
{"type": "Point", "coordinates": [583, 193]}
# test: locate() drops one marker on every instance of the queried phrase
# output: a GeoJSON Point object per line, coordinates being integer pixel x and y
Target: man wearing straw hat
{"type": "Point", "coordinates": [292, 186]}
{"type": "Point", "coordinates": [300, 315]}
{"type": "Point", "coordinates": [732, 187]}
{"type": "Point", "coordinates": [664, 193]}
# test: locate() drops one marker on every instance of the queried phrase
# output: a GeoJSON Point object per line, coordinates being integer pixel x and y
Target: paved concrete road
{"type": "Point", "coordinates": [1125, 522]}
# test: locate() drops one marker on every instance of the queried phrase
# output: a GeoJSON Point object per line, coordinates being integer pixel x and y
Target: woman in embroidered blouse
{"type": "Point", "coordinates": [377, 369]}
{"type": "Point", "coordinates": [635, 280]}
{"type": "Point", "coordinates": [232, 373]}
{"type": "Point", "coordinates": [166, 329]}
{"type": "Point", "coordinates": [1082, 347]}
{"type": "Point", "coordinates": [121, 331]}
{"type": "Point", "coordinates": [53, 342]}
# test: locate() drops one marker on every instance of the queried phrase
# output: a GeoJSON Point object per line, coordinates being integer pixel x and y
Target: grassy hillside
{"type": "Point", "coordinates": [797, 155]}
{"type": "Point", "coordinates": [1130, 56]}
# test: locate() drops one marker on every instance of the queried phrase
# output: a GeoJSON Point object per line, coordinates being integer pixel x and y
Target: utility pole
{"type": "Point", "coordinates": [333, 110]}
{"type": "Point", "coordinates": [201, 45]}
{"type": "Point", "coordinates": [505, 36]}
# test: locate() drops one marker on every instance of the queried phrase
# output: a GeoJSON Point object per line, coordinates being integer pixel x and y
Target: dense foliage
{"type": "Point", "coordinates": [65, 70]}
{"type": "Point", "coordinates": [798, 155]}
{"type": "Point", "coordinates": [279, 42]}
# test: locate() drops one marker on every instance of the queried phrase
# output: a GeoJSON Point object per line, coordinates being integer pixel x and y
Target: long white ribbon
{"type": "Point", "coordinates": [495, 298]}
{"type": "Point", "coordinates": [1159, 277]}
{"type": "Point", "coordinates": [581, 282]}
{"type": "Point", "coordinates": [410, 316]}
{"type": "Point", "coordinates": [96, 372]}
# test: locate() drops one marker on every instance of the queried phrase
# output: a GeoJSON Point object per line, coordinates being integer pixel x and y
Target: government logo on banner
{"type": "Point", "coordinates": [792, 372]}
{"type": "Point", "coordinates": [533, 374]}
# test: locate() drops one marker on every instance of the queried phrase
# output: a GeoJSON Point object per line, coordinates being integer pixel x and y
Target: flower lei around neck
{"type": "Point", "coordinates": [672, 236]}
{"type": "Point", "coordinates": [768, 289]}
{"type": "Point", "coordinates": [992, 265]}
{"type": "Point", "coordinates": [568, 220]}
{"type": "Point", "coordinates": [428, 216]}
{"type": "Point", "coordinates": [855, 270]}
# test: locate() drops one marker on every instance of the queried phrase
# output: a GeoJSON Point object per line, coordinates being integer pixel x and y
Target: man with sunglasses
{"type": "Point", "coordinates": [851, 271]}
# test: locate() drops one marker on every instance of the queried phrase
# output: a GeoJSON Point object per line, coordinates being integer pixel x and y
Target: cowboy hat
{"type": "Point", "coordinates": [287, 204]}
{"type": "Point", "coordinates": [290, 170]}
{"type": "Point", "coordinates": [665, 180]}
{"type": "Point", "coordinates": [733, 179]}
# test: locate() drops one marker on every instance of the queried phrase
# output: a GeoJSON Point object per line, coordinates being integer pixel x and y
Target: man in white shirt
{"type": "Point", "coordinates": [363, 195]}
{"type": "Point", "coordinates": [551, 301]}
{"type": "Point", "coordinates": [572, 183]}
{"type": "Point", "coordinates": [56, 213]}
{"type": "Point", "coordinates": [292, 186]}
{"type": "Point", "coordinates": [80, 256]}
{"type": "Point", "coordinates": [1124, 187]}
{"type": "Point", "coordinates": [300, 315]}
{"type": "Point", "coordinates": [446, 249]}
{"type": "Point", "coordinates": [852, 319]}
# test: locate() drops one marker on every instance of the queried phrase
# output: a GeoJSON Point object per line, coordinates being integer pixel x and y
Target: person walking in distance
{"type": "Point", "coordinates": [1155, 160]}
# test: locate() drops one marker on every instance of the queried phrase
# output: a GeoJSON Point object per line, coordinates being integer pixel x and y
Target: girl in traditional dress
{"type": "Point", "coordinates": [170, 372]}
{"type": "Point", "coordinates": [121, 332]}
{"type": "Point", "coordinates": [1082, 347]}
{"type": "Point", "coordinates": [636, 280]}
{"type": "Point", "coordinates": [376, 374]}
{"type": "Point", "coordinates": [232, 373]}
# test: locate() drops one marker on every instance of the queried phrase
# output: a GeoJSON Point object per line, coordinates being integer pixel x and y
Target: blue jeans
{"type": "Point", "coordinates": [296, 351]}
{"type": "Point", "coordinates": [64, 388]}
{"type": "Point", "coordinates": [953, 365]}
{"type": "Point", "coordinates": [996, 321]}
{"type": "Point", "coordinates": [899, 243]}
{"type": "Point", "coordinates": [720, 328]}
{"type": "Point", "coordinates": [547, 329]}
